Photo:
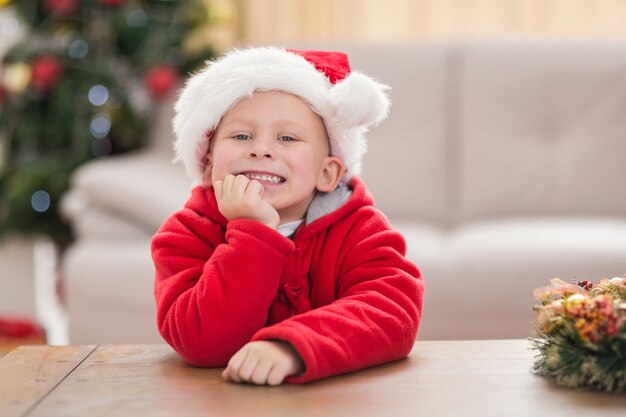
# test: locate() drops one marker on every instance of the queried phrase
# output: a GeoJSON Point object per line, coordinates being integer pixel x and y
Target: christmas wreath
{"type": "Point", "coordinates": [581, 334]}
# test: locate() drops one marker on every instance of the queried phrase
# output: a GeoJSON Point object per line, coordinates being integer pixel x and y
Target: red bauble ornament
{"type": "Point", "coordinates": [112, 3]}
{"type": "Point", "coordinates": [160, 80]}
{"type": "Point", "coordinates": [46, 71]}
{"type": "Point", "coordinates": [60, 7]}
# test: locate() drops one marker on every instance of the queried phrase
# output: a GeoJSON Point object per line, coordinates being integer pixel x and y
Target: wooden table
{"type": "Point", "coordinates": [440, 378]}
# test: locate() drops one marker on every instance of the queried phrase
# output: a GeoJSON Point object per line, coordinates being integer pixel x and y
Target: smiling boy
{"type": "Point", "coordinates": [279, 266]}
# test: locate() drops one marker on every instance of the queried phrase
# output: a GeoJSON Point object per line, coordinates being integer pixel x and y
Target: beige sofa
{"type": "Point", "coordinates": [502, 163]}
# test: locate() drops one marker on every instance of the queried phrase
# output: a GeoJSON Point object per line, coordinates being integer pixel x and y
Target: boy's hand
{"type": "Point", "coordinates": [264, 362]}
{"type": "Point", "coordinates": [240, 197]}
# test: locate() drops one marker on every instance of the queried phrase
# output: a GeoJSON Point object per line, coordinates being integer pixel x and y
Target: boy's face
{"type": "Point", "coordinates": [276, 139]}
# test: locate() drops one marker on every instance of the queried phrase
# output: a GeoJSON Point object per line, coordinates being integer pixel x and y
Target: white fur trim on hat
{"type": "Point", "coordinates": [347, 108]}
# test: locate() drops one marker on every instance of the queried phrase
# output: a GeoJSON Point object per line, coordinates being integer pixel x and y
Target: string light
{"type": "Point", "coordinates": [78, 49]}
{"type": "Point", "coordinates": [40, 201]}
{"type": "Point", "coordinates": [98, 95]}
{"type": "Point", "coordinates": [100, 125]}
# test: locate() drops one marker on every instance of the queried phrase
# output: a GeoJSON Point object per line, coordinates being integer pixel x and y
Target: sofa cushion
{"type": "Point", "coordinates": [541, 129]}
{"type": "Point", "coordinates": [486, 270]}
{"type": "Point", "coordinates": [143, 187]}
{"type": "Point", "coordinates": [125, 284]}
{"type": "Point", "coordinates": [90, 221]}
{"type": "Point", "coordinates": [408, 151]}
{"type": "Point", "coordinates": [109, 292]}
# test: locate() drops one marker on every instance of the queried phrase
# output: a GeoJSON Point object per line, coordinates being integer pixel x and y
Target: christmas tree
{"type": "Point", "coordinates": [80, 85]}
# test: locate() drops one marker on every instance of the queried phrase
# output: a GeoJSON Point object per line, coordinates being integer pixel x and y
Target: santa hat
{"type": "Point", "coordinates": [349, 102]}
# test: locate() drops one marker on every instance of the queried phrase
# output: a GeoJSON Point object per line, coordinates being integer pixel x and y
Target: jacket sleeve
{"type": "Point", "coordinates": [376, 314]}
{"type": "Point", "coordinates": [212, 291]}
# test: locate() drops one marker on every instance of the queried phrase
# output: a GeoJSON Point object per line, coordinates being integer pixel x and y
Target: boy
{"type": "Point", "coordinates": [279, 267]}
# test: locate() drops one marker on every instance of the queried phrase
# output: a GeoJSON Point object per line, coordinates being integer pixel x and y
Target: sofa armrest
{"type": "Point", "coordinates": [95, 223]}
{"type": "Point", "coordinates": [143, 188]}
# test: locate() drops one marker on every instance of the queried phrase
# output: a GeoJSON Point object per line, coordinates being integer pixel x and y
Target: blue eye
{"type": "Point", "coordinates": [286, 139]}
{"type": "Point", "coordinates": [241, 136]}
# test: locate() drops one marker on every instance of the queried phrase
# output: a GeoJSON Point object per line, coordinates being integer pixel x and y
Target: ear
{"type": "Point", "coordinates": [207, 160]}
{"type": "Point", "coordinates": [207, 173]}
{"type": "Point", "coordinates": [332, 170]}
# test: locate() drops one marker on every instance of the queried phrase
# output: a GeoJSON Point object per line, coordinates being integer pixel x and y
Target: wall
{"type": "Point", "coordinates": [263, 21]}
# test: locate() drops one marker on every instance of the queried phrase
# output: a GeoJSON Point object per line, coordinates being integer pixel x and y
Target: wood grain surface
{"type": "Point", "coordinates": [29, 373]}
{"type": "Point", "coordinates": [439, 378]}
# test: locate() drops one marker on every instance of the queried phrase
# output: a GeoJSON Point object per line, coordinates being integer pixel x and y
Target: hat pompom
{"type": "Point", "coordinates": [359, 101]}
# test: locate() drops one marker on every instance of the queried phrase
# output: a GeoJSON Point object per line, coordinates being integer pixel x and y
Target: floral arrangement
{"type": "Point", "coordinates": [581, 333]}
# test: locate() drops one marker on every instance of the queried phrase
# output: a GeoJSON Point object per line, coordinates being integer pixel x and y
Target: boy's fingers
{"type": "Point", "coordinates": [276, 375]}
{"type": "Point", "coordinates": [234, 364]}
{"type": "Point", "coordinates": [255, 188]}
{"type": "Point", "coordinates": [240, 184]}
{"type": "Point", "coordinates": [228, 184]}
{"type": "Point", "coordinates": [218, 188]}
{"type": "Point", "coordinates": [261, 373]}
{"type": "Point", "coordinates": [232, 375]}
{"type": "Point", "coordinates": [247, 368]}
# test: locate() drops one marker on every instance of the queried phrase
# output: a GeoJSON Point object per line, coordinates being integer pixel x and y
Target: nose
{"type": "Point", "coordinates": [262, 148]}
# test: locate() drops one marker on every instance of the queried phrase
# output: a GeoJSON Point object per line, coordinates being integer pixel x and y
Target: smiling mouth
{"type": "Point", "coordinates": [274, 179]}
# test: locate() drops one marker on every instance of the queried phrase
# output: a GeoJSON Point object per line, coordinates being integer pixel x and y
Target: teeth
{"type": "Point", "coordinates": [269, 178]}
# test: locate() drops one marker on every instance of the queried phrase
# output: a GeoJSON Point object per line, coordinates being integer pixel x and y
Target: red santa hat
{"type": "Point", "coordinates": [349, 102]}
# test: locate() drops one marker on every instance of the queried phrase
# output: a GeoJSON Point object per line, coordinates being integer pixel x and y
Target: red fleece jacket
{"type": "Point", "coordinates": [341, 292]}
